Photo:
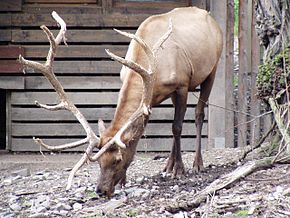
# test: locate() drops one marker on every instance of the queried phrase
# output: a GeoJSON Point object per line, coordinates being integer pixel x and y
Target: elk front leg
{"type": "Point", "coordinates": [174, 163]}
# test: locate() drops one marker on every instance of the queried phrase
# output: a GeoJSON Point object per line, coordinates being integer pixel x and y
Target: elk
{"type": "Point", "coordinates": [170, 55]}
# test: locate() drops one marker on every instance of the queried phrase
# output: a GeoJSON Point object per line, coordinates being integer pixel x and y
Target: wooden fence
{"type": "Point", "coordinates": [92, 79]}
{"type": "Point", "coordinates": [88, 75]}
{"type": "Point", "coordinates": [244, 123]}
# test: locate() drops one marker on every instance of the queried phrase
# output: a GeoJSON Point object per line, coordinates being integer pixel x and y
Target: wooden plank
{"type": "Point", "coordinates": [79, 20]}
{"type": "Point", "coordinates": [5, 19]}
{"type": "Point", "coordinates": [62, 2]}
{"type": "Point", "coordinates": [92, 114]}
{"type": "Point", "coordinates": [83, 67]}
{"type": "Point", "coordinates": [148, 144]}
{"type": "Point", "coordinates": [5, 35]}
{"type": "Point", "coordinates": [255, 108]}
{"type": "Point", "coordinates": [10, 52]}
{"type": "Point", "coordinates": [243, 72]}
{"type": "Point", "coordinates": [10, 66]}
{"type": "Point", "coordinates": [75, 36]}
{"type": "Point", "coordinates": [75, 129]}
{"type": "Point", "coordinates": [76, 82]}
{"type": "Point", "coordinates": [11, 82]}
{"type": "Point", "coordinates": [8, 5]}
{"type": "Point", "coordinates": [75, 51]}
{"type": "Point", "coordinates": [230, 103]}
{"type": "Point", "coordinates": [79, 98]}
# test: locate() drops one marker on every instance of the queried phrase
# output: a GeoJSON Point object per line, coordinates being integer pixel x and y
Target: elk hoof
{"type": "Point", "coordinates": [178, 169]}
{"type": "Point", "coordinates": [198, 166]}
{"type": "Point", "coordinates": [169, 166]}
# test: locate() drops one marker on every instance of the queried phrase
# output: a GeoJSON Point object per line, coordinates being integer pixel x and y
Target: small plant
{"type": "Point", "coordinates": [273, 74]}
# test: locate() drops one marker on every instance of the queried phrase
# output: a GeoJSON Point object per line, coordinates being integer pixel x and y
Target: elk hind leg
{"type": "Point", "coordinates": [205, 89]}
{"type": "Point", "coordinates": [174, 163]}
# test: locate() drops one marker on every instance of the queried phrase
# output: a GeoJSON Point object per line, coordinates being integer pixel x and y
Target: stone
{"type": "Point", "coordinates": [15, 207]}
{"type": "Point", "coordinates": [77, 206]}
{"type": "Point", "coordinates": [140, 179]}
{"type": "Point", "coordinates": [7, 182]}
{"type": "Point", "coordinates": [23, 172]}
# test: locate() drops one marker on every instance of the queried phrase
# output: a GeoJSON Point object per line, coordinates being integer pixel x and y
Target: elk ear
{"type": "Point", "coordinates": [101, 126]}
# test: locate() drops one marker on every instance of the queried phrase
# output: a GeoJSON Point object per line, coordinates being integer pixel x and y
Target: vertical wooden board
{"type": "Point", "coordinates": [230, 103]}
{"type": "Point", "coordinates": [255, 108]}
{"type": "Point", "coordinates": [10, 5]}
{"type": "Point", "coordinates": [243, 72]}
{"type": "Point", "coordinates": [217, 96]}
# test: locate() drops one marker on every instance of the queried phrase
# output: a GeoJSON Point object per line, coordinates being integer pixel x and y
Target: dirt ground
{"type": "Point", "coordinates": [34, 186]}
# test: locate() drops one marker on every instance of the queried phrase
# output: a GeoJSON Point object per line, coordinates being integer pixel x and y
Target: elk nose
{"type": "Point", "coordinates": [100, 192]}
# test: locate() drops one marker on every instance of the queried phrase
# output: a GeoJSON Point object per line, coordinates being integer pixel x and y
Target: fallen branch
{"type": "Point", "coordinates": [259, 143]}
{"type": "Point", "coordinates": [186, 202]}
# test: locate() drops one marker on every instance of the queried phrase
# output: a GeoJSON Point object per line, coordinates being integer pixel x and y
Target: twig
{"type": "Point", "coordinates": [259, 143]}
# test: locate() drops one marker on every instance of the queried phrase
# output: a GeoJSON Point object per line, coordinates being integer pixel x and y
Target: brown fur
{"type": "Point", "coordinates": [189, 58]}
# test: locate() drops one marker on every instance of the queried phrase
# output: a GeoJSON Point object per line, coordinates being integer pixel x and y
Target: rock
{"type": "Point", "coordinates": [23, 172]}
{"type": "Point", "coordinates": [136, 192]}
{"type": "Point", "coordinates": [77, 206]}
{"type": "Point", "coordinates": [15, 207]}
{"type": "Point", "coordinates": [111, 205]}
{"type": "Point", "coordinates": [140, 179]}
{"type": "Point", "coordinates": [39, 215]}
{"type": "Point", "coordinates": [41, 209]}
{"type": "Point", "coordinates": [180, 215]}
{"type": "Point", "coordinates": [7, 182]}
{"type": "Point", "coordinates": [175, 188]}
{"type": "Point", "coordinates": [62, 206]}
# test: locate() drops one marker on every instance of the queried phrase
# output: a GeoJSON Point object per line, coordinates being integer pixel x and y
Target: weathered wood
{"type": "Point", "coordinates": [75, 129]}
{"type": "Point", "coordinates": [93, 114]}
{"type": "Point", "coordinates": [83, 67]}
{"type": "Point", "coordinates": [76, 82]}
{"type": "Point", "coordinates": [8, 5]}
{"type": "Point", "coordinates": [230, 104]}
{"type": "Point", "coordinates": [10, 66]}
{"type": "Point", "coordinates": [75, 51]}
{"type": "Point", "coordinates": [11, 83]}
{"type": "Point", "coordinates": [5, 19]}
{"type": "Point", "coordinates": [79, 98]}
{"type": "Point", "coordinates": [75, 36]}
{"type": "Point", "coordinates": [255, 104]}
{"type": "Point", "coordinates": [62, 2]}
{"type": "Point", "coordinates": [5, 35]}
{"type": "Point", "coordinates": [243, 67]}
{"type": "Point", "coordinates": [10, 52]}
{"type": "Point", "coordinates": [145, 144]}
{"type": "Point", "coordinates": [79, 20]}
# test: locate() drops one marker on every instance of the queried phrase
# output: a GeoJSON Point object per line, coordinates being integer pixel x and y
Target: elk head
{"type": "Point", "coordinates": [116, 146]}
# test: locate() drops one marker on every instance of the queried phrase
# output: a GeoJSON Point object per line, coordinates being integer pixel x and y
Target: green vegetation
{"type": "Point", "coordinates": [271, 77]}
{"type": "Point", "coordinates": [236, 15]}
{"type": "Point", "coordinates": [242, 213]}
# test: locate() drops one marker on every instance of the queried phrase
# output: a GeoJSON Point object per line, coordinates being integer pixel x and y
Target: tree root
{"type": "Point", "coordinates": [186, 202]}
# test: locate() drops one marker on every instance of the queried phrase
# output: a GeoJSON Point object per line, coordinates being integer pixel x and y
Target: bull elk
{"type": "Point", "coordinates": [170, 55]}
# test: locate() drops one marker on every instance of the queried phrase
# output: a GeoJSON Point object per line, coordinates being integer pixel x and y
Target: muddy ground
{"type": "Point", "coordinates": [34, 186]}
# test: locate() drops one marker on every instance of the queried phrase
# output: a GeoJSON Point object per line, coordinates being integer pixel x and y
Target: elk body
{"type": "Point", "coordinates": [163, 61]}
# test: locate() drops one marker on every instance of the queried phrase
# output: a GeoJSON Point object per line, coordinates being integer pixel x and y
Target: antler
{"type": "Point", "coordinates": [148, 77]}
{"type": "Point", "coordinates": [65, 103]}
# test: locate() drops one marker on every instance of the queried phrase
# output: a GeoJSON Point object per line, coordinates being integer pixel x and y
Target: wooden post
{"type": "Point", "coordinates": [217, 128]}
{"type": "Point", "coordinates": [229, 134]}
{"type": "Point", "coordinates": [255, 60]}
{"type": "Point", "coordinates": [243, 72]}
